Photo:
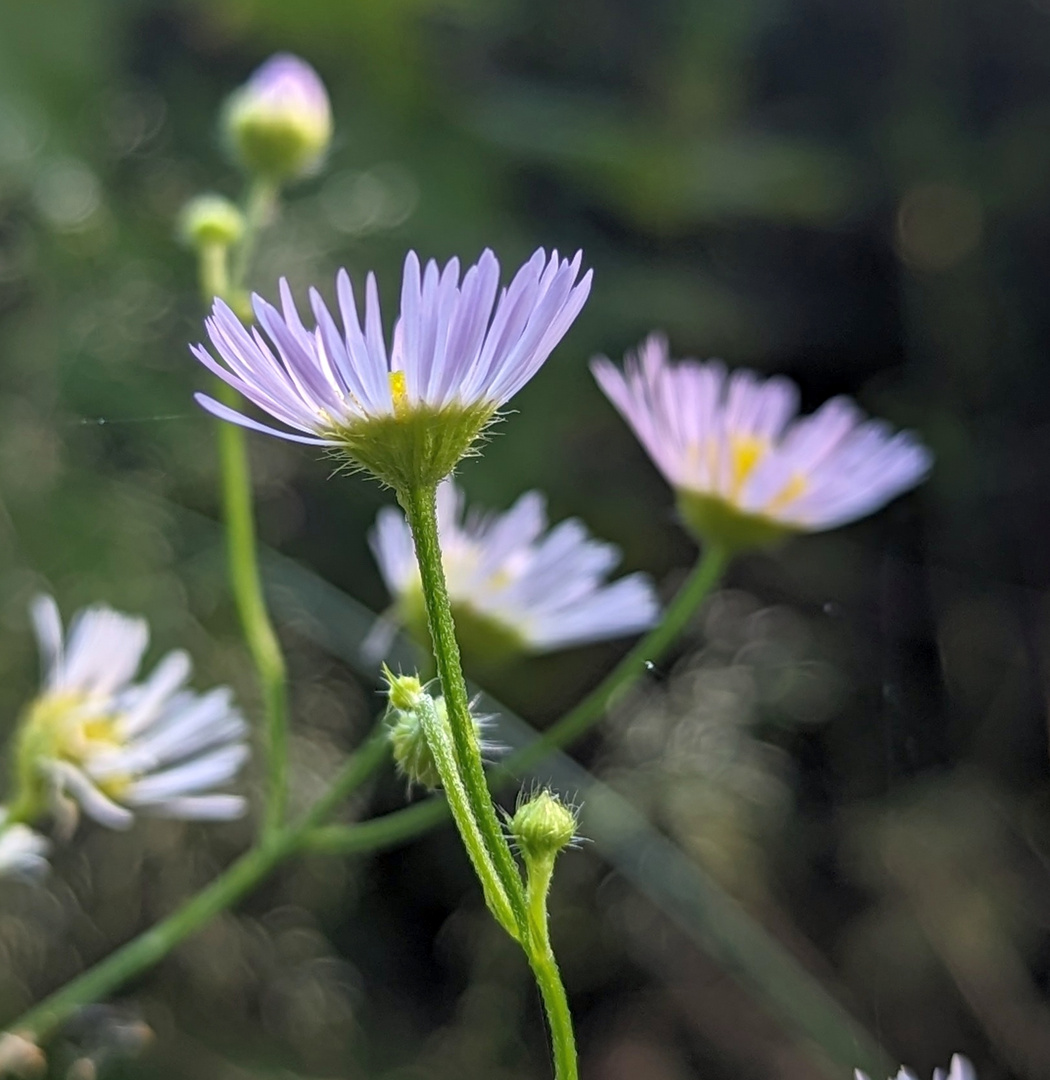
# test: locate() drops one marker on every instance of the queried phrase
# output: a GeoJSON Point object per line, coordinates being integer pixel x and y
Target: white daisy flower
{"type": "Point", "coordinates": [514, 586]}
{"type": "Point", "coordinates": [23, 851]}
{"type": "Point", "coordinates": [961, 1069]}
{"type": "Point", "coordinates": [116, 746]}
{"type": "Point", "coordinates": [747, 469]}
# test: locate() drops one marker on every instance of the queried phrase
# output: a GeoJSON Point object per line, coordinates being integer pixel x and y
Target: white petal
{"type": "Point", "coordinates": [47, 624]}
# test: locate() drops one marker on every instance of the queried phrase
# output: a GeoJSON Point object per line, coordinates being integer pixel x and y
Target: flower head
{"type": "Point", "coordinates": [542, 825]}
{"type": "Point", "coordinates": [458, 354]}
{"type": "Point", "coordinates": [23, 851]}
{"type": "Point", "coordinates": [961, 1069]}
{"type": "Point", "coordinates": [747, 470]}
{"type": "Point", "coordinates": [116, 746]}
{"type": "Point", "coordinates": [280, 122]}
{"type": "Point", "coordinates": [514, 586]}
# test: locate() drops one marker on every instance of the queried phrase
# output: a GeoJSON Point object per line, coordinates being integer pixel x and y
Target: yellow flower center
{"type": "Point", "coordinates": [745, 452]}
{"type": "Point", "coordinates": [399, 392]}
{"type": "Point", "coordinates": [794, 489]}
{"type": "Point", "coordinates": [63, 727]}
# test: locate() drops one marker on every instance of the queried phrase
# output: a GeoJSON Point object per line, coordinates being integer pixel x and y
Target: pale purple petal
{"type": "Point", "coordinates": [737, 439]}
{"type": "Point", "coordinates": [549, 589]}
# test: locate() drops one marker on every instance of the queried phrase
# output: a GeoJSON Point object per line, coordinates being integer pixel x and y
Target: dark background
{"type": "Point", "coordinates": [853, 740]}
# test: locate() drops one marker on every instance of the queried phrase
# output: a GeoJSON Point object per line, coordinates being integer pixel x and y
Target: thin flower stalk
{"type": "Point", "coordinates": [239, 520]}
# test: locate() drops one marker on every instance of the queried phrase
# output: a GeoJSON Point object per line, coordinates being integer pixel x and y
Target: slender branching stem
{"type": "Point", "coordinates": [421, 511]}
{"type": "Point", "coordinates": [140, 954]}
{"type": "Point", "coordinates": [239, 878]}
{"type": "Point", "coordinates": [651, 649]}
{"type": "Point", "coordinates": [239, 519]}
{"type": "Point", "coordinates": [246, 585]}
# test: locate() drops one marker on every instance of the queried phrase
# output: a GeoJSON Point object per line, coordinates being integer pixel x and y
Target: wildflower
{"type": "Point", "coordinates": [23, 852]}
{"type": "Point", "coordinates": [513, 586]}
{"type": "Point", "coordinates": [116, 746]}
{"type": "Point", "coordinates": [279, 123]}
{"type": "Point", "coordinates": [961, 1069]}
{"type": "Point", "coordinates": [747, 470]}
{"type": "Point", "coordinates": [458, 354]}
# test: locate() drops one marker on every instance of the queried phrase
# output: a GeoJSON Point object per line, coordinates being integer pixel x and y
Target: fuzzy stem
{"type": "Point", "coordinates": [438, 735]}
{"type": "Point", "coordinates": [421, 511]}
{"type": "Point", "coordinates": [410, 821]}
{"type": "Point", "coordinates": [556, 1005]}
{"type": "Point", "coordinates": [545, 968]}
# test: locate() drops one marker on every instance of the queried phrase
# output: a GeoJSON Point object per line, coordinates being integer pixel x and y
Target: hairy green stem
{"type": "Point", "coordinates": [438, 736]}
{"type": "Point", "coordinates": [235, 881]}
{"type": "Point", "coordinates": [545, 968]}
{"type": "Point", "coordinates": [556, 1005]}
{"type": "Point", "coordinates": [421, 511]}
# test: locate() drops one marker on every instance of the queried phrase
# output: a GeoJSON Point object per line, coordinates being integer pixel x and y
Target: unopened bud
{"type": "Point", "coordinates": [543, 826]}
{"type": "Point", "coordinates": [279, 123]}
{"type": "Point", "coordinates": [408, 743]}
{"type": "Point", "coordinates": [403, 690]}
{"type": "Point", "coordinates": [209, 220]}
{"type": "Point", "coordinates": [412, 753]}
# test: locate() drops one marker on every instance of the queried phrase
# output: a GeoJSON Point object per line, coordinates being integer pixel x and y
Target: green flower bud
{"type": "Point", "coordinates": [412, 753]}
{"type": "Point", "coordinates": [279, 124]}
{"type": "Point", "coordinates": [403, 691]}
{"type": "Point", "coordinates": [210, 220]}
{"type": "Point", "coordinates": [542, 826]}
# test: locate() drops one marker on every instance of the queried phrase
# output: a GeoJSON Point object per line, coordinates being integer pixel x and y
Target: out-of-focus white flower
{"type": "Point", "coordinates": [513, 585]}
{"type": "Point", "coordinates": [23, 851]}
{"type": "Point", "coordinates": [116, 746]}
{"type": "Point", "coordinates": [459, 353]}
{"type": "Point", "coordinates": [961, 1069]}
{"type": "Point", "coordinates": [280, 122]}
{"type": "Point", "coordinates": [20, 1056]}
{"type": "Point", "coordinates": [747, 470]}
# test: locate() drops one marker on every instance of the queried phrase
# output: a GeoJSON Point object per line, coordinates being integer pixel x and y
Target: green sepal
{"type": "Point", "coordinates": [713, 520]}
{"type": "Point", "coordinates": [416, 448]}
